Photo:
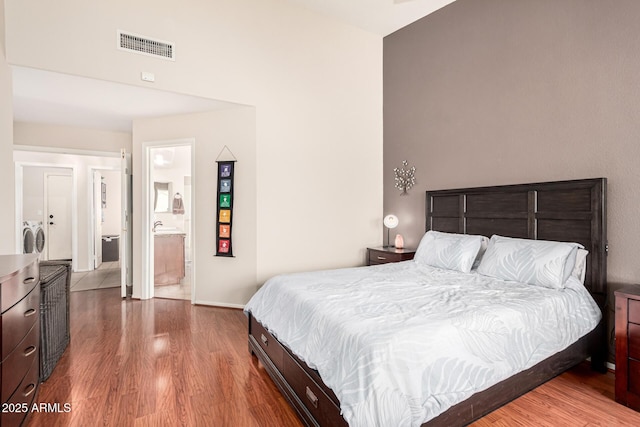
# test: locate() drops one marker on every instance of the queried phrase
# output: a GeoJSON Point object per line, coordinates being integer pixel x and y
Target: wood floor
{"type": "Point", "coordinates": [168, 363]}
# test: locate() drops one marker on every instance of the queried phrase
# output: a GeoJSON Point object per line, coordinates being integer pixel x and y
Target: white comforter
{"type": "Point", "coordinates": [400, 343]}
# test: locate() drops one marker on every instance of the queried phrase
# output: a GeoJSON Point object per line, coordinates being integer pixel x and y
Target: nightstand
{"type": "Point", "coordinates": [382, 255]}
{"type": "Point", "coordinates": [628, 346]}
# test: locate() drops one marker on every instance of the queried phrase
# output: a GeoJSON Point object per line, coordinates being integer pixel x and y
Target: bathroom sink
{"type": "Point", "coordinates": [167, 230]}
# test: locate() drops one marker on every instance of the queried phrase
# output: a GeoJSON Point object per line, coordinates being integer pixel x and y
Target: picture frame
{"type": "Point", "coordinates": [225, 216]}
{"type": "Point", "coordinates": [224, 200]}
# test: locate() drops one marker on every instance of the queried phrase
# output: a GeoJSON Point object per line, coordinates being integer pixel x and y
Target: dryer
{"type": "Point", "coordinates": [28, 239]}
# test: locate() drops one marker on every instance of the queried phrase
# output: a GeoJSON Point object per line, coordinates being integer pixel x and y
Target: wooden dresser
{"type": "Point", "coordinates": [20, 327]}
{"type": "Point", "coordinates": [628, 346]}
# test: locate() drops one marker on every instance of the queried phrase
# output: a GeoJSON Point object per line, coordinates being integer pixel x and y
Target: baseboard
{"type": "Point", "coordinates": [219, 304]}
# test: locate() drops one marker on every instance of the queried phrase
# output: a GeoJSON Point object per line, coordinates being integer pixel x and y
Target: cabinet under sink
{"type": "Point", "coordinates": [168, 258]}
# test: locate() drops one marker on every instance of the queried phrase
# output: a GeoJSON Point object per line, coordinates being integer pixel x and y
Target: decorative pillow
{"type": "Point", "coordinates": [537, 262]}
{"type": "Point", "coordinates": [483, 249]}
{"type": "Point", "coordinates": [449, 251]}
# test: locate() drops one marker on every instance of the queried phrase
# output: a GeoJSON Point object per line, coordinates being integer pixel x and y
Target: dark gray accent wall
{"type": "Point", "coordinates": [487, 92]}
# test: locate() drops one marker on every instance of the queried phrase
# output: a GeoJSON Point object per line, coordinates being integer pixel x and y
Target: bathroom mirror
{"type": "Point", "coordinates": [162, 192]}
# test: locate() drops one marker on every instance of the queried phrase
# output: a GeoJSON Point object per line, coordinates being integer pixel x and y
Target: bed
{"type": "Point", "coordinates": [564, 211]}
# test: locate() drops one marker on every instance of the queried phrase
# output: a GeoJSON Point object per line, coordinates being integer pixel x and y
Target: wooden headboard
{"type": "Point", "coordinates": [568, 211]}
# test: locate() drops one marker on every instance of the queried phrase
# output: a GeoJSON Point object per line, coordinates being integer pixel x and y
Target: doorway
{"type": "Point", "coordinates": [105, 230]}
{"type": "Point", "coordinates": [170, 219]}
{"type": "Point", "coordinates": [39, 189]}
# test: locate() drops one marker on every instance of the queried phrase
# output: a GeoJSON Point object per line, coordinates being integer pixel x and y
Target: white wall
{"type": "Point", "coordinates": [315, 82]}
{"type": "Point", "coordinates": [58, 136]}
{"type": "Point", "coordinates": [81, 166]}
{"type": "Point", "coordinates": [175, 174]}
{"type": "Point", "coordinates": [7, 208]}
{"type": "Point", "coordinates": [33, 191]}
{"type": "Point", "coordinates": [219, 280]}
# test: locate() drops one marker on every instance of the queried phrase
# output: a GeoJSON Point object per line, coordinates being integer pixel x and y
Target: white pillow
{"type": "Point", "coordinates": [483, 249]}
{"type": "Point", "coordinates": [537, 262]}
{"type": "Point", "coordinates": [448, 250]}
{"type": "Point", "coordinates": [580, 269]}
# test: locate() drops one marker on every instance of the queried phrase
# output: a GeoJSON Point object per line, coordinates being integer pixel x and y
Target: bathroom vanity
{"type": "Point", "coordinates": [168, 258]}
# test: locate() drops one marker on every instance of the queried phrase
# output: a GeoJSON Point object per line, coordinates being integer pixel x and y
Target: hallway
{"type": "Point", "coordinates": [105, 276]}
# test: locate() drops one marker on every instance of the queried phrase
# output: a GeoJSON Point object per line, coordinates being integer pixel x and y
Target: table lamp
{"type": "Point", "coordinates": [390, 221]}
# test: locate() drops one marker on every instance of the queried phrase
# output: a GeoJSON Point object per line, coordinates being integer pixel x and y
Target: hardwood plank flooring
{"type": "Point", "coordinates": [167, 363]}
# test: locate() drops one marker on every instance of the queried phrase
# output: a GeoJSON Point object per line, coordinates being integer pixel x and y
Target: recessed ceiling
{"type": "Point", "coordinates": [47, 97]}
{"type": "Point", "coordinates": [381, 17]}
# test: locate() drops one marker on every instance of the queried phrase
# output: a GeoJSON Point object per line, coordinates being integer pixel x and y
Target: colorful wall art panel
{"type": "Point", "coordinates": [225, 197]}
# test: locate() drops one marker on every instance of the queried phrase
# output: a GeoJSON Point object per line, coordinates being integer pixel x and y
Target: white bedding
{"type": "Point", "coordinates": [401, 343]}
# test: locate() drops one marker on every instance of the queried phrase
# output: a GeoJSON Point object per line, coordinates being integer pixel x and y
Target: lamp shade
{"type": "Point", "coordinates": [390, 221]}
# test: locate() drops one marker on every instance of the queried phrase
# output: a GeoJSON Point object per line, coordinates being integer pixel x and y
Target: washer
{"type": "Point", "coordinates": [33, 238]}
{"type": "Point", "coordinates": [39, 238]}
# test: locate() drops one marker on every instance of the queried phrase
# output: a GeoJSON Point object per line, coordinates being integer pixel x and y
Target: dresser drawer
{"type": "Point", "coordinates": [634, 311]}
{"type": "Point", "coordinates": [634, 341]}
{"type": "Point", "coordinates": [634, 377]}
{"type": "Point", "coordinates": [19, 285]}
{"type": "Point", "coordinates": [24, 395]}
{"type": "Point", "coordinates": [16, 365]}
{"type": "Point", "coordinates": [312, 396]}
{"type": "Point", "coordinates": [18, 320]}
{"type": "Point", "coordinates": [268, 343]}
{"type": "Point", "coordinates": [377, 256]}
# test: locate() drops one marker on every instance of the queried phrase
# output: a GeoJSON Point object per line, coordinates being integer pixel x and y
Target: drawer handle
{"type": "Point", "coordinates": [29, 280]}
{"type": "Point", "coordinates": [29, 389]}
{"type": "Point", "coordinates": [29, 350]}
{"type": "Point", "coordinates": [312, 397]}
{"type": "Point", "coordinates": [30, 312]}
{"type": "Point", "coordinates": [264, 339]}
{"type": "Point", "coordinates": [381, 258]}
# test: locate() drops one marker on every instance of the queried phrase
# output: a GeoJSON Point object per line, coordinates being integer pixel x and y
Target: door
{"type": "Point", "coordinates": [58, 216]}
{"type": "Point", "coordinates": [126, 245]}
{"type": "Point", "coordinates": [97, 220]}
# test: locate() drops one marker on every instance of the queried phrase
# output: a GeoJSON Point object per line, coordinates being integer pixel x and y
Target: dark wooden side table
{"type": "Point", "coordinates": [383, 255]}
{"type": "Point", "coordinates": [628, 346]}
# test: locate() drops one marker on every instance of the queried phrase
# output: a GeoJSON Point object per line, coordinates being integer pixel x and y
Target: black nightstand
{"type": "Point", "coordinates": [382, 255]}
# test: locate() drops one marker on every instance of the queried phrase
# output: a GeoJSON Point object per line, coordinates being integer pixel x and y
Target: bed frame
{"type": "Point", "coordinates": [572, 211]}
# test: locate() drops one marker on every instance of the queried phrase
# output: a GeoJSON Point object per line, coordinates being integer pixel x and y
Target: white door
{"type": "Point", "coordinates": [58, 216]}
{"type": "Point", "coordinates": [126, 246]}
{"type": "Point", "coordinates": [97, 220]}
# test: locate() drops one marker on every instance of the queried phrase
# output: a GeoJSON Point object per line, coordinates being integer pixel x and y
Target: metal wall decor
{"type": "Point", "coordinates": [405, 177]}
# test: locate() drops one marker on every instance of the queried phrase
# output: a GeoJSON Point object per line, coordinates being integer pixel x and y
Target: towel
{"type": "Point", "coordinates": [178, 206]}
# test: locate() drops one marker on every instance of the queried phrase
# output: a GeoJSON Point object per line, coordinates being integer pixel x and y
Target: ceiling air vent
{"type": "Point", "coordinates": [146, 46]}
